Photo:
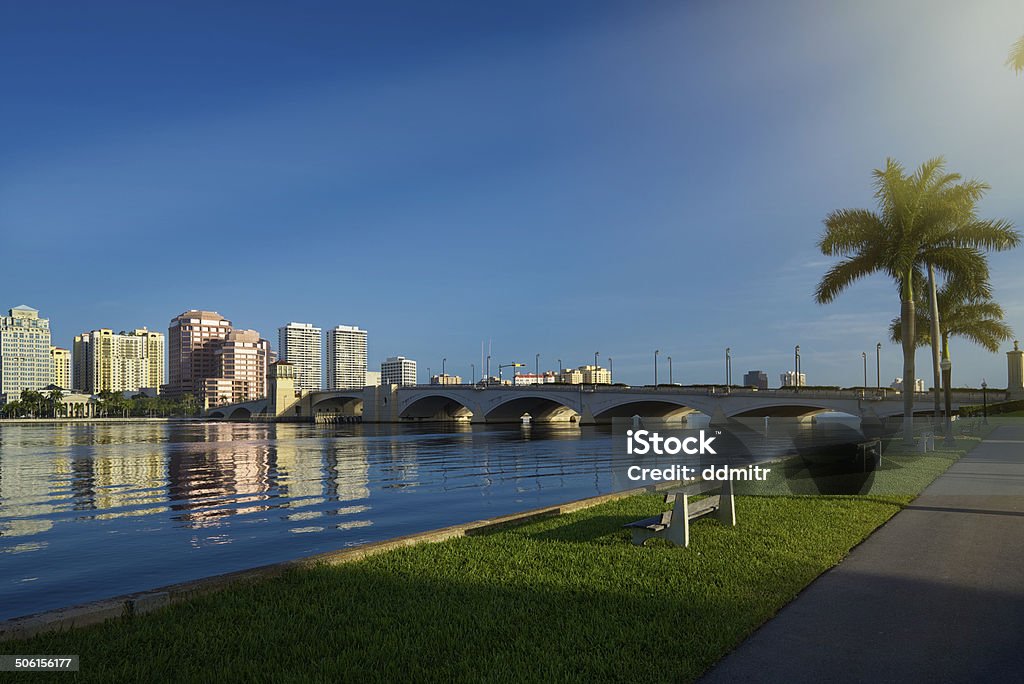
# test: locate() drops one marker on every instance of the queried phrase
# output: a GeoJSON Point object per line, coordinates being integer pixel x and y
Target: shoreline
{"type": "Point", "coordinates": [136, 603]}
{"type": "Point", "coordinates": [133, 419]}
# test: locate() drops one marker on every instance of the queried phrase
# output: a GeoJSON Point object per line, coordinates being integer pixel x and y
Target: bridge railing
{"type": "Point", "coordinates": [869, 394]}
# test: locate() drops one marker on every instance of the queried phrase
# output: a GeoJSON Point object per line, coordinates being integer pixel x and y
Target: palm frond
{"type": "Point", "coordinates": [1016, 59]}
{"type": "Point", "coordinates": [843, 274]}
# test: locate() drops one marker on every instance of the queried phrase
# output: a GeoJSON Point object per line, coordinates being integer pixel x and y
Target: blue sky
{"type": "Point", "coordinates": [558, 178]}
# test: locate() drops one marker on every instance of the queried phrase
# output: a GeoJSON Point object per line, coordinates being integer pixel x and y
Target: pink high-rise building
{"type": "Point", "coordinates": [215, 363]}
{"type": "Point", "coordinates": [192, 339]}
{"type": "Point", "coordinates": [242, 359]}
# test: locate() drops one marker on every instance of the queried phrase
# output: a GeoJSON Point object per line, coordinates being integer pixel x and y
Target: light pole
{"type": "Point", "coordinates": [443, 362]}
{"type": "Point", "coordinates": [611, 372]}
{"type": "Point", "coordinates": [796, 366]}
{"type": "Point", "coordinates": [559, 371]}
{"type": "Point", "coordinates": [669, 369]}
{"type": "Point", "coordinates": [509, 365]}
{"type": "Point", "coordinates": [864, 356]}
{"type": "Point", "coordinates": [878, 365]}
{"type": "Point", "coordinates": [728, 366]}
{"type": "Point", "coordinates": [487, 378]}
{"type": "Point", "coordinates": [984, 402]}
{"type": "Point", "coordinates": [947, 373]}
{"type": "Point", "coordinates": [473, 367]}
{"type": "Point", "coordinates": [656, 352]}
{"type": "Point", "coordinates": [536, 369]}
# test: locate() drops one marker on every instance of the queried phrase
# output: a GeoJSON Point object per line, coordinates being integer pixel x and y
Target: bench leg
{"type": "Point", "coordinates": [678, 531]}
{"type": "Point", "coordinates": [726, 505]}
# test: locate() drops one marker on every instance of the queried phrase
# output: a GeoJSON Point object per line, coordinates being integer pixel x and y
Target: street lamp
{"type": "Point", "coordinates": [611, 372]}
{"type": "Point", "coordinates": [509, 365]}
{"type": "Point", "coordinates": [473, 367]}
{"type": "Point", "coordinates": [728, 366]}
{"type": "Point", "coordinates": [947, 368]}
{"type": "Point", "coordinates": [878, 365]}
{"type": "Point", "coordinates": [864, 356]}
{"type": "Point", "coordinates": [669, 370]}
{"type": "Point", "coordinates": [984, 402]}
{"type": "Point", "coordinates": [536, 368]}
{"type": "Point", "coordinates": [796, 366]}
{"type": "Point", "coordinates": [487, 379]}
{"type": "Point", "coordinates": [443, 362]}
{"type": "Point", "coordinates": [656, 352]}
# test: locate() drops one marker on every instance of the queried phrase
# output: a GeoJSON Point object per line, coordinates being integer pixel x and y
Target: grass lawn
{"type": "Point", "coordinates": [566, 598]}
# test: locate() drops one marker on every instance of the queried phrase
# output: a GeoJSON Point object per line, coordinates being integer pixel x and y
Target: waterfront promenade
{"type": "Point", "coordinates": [935, 595]}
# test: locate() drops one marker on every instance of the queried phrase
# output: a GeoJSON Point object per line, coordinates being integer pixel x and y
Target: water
{"type": "Point", "coordinates": [89, 511]}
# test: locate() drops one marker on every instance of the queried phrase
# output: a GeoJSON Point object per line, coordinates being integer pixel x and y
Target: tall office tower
{"type": "Point", "coordinates": [24, 352]}
{"type": "Point", "coordinates": [398, 370]}
{"type": "Point", "coordinates": [346, 358]}
{"type": "Point", "coordinates": [299, 344]}
{"type": "Point", "coordinates": [192, 338]}
{"type": "Point", "coordinates": [756, 378]}
{"type": "Point", "coordinates": [118, 362]}
{"type": "Point", "coordinates": [60, 358]}
{"type": "Point", "coordinates": [242, 359]}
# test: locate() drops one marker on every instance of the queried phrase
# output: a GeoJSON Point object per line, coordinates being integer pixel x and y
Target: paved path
{"type": "Point", "coordinates": [935, 595]}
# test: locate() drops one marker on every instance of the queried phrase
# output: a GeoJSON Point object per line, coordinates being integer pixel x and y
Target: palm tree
{"type": "Point", "coordinates": [966, 312]}
{"type": "Point", "coordinates": [54, 398]}
{"type": "Point", "coordinates": [1016, 59]}
{"type": "Point", "coordinates": [925, 219]}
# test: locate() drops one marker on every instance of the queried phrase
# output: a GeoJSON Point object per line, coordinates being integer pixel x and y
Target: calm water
{"type": "Point", "coordinates": [89, 511]}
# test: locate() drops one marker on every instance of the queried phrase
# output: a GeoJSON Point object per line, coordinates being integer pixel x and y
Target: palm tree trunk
{"type": "Point", "coordinates": [907, 314]}
{"type": "Point", "coordinates": [936, 377]}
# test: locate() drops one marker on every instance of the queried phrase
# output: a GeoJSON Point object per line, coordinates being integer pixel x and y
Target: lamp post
{"type": "Point", "coordinates": [611, 372]}
{"type": "Point", "coordinates": [559, 370]}
{"type": "Point", "coordinates": [947, 368]}
{"type": "Point", "coordinates": [473, 367]}
{"type": "Point", "coordinates": [669, 370]}
{"type": "Point", "coordinates": [487, 379]}
{"type": "Point", "coordinates": [796, 366]}
{"type": "Point", "coordinates": [536, 369]}
{"type": "Point", "coordinates": [728, 366]}
{"type": "Point", "coordinates": [878, 365]}
{"type": "Point", "coordinates": [656, 352]}
{"type": "Point", "coordinates": [864, 356]}
{"type": "Point", "coordinates": [984, 402]}
{"type": "Point", "coordinates": [444, 361]}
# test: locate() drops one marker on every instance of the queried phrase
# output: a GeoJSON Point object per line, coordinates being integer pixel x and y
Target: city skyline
{"type": "Point", "coordinates": [621, 179]}
{"type": "Point", "coordinates": [876, 373]}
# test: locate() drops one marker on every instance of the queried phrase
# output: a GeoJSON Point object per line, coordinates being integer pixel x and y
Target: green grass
{"type": "Point", "coordinates": [562, 599]}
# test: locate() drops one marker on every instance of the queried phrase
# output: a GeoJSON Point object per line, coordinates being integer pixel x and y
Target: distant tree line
{"type": "Point", "coordinates": [49, 404]}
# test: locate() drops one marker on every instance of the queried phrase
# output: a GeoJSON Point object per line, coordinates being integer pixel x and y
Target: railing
{"type": "Point", "coordinates": [869, 394]}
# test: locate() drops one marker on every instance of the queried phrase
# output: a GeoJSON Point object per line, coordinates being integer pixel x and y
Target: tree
{"type": "Point", "coordinates": [965, 312]}
{"type": "Point", "coordinates": [925, 219]}
{"type": "Point", "coordinates": [54, 400]}
{"type": "Point", "coordinates": [1016, 59]}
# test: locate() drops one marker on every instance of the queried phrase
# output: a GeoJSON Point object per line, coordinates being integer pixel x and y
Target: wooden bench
{"type": "Point", "coordinates": [674, 525]}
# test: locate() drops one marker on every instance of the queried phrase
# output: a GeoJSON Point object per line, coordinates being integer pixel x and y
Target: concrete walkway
{"type": "Point", "coordinates": [935, 595]}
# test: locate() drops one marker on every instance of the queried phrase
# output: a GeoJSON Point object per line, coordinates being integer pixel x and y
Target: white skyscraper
{"type": "Point", "coordinates": [346, 358]}
{"type": "Point", "coordinates": [299, 344]}
{"type": "Point", "coordinates": [25, 361]}
{"type": "Point", "coordinates": [398, 370]}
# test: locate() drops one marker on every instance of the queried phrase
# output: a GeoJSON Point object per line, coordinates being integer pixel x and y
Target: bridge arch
{"type": "Point", "coordinates": [787, 410]}
{"type": "Point", "coordinates": [440, 406]}
{"type": "Point", "coordinates": [341, 404]}
{"type": "Point", "coordinates": [240, 413]}
{"type": "Point", "coordinates": [646, 408]}
{"type": "Point", "coordinates": [542, 409]}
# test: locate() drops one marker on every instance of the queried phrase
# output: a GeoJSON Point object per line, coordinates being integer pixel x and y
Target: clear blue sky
{"type": "Point", "coordinates": [558, 177]}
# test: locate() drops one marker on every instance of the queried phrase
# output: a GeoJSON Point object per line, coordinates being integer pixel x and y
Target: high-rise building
{"type": "Point", "coordinates": [60, 358]}
{"type": "Point", "coordinates": [241, 359]}
{"type": "Point", "coordinates": [25, 361]}
{"type": "Point", "coordinates": [756, 378]}
{"type": "Point", "coordinates": [372, 378]}
{"type": "Point", "coordinates": [192, 339]}
{"type": "Point", "coordinates": [118, 362]}
{"type": "Point", "coordinates": [299, 344]}
{"type": "Point", "coordinates": [793, 379]}
{"type": "Point", "coordinates": [398, 370]}
{"type": "Point", "coordinates": [346, 358]}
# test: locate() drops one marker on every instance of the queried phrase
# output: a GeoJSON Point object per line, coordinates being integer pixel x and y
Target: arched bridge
{"type": "Point", "coordinates": [584, 404]}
